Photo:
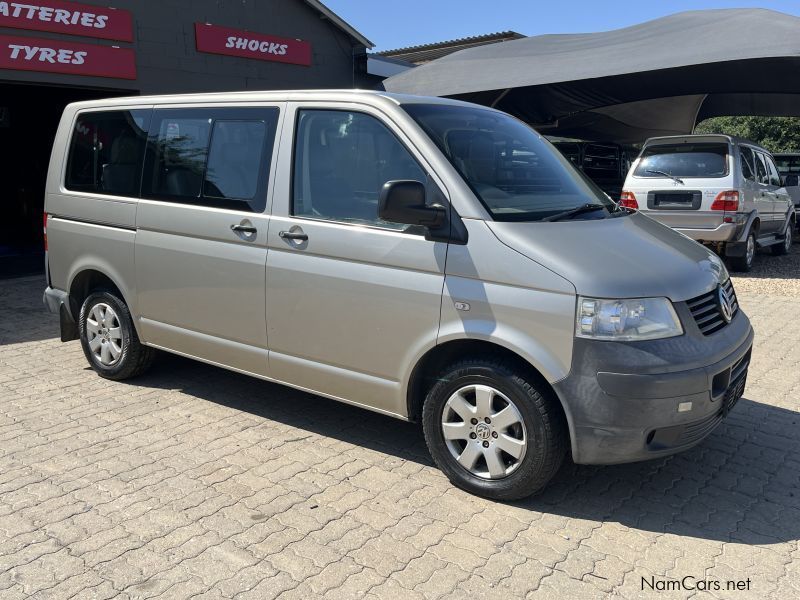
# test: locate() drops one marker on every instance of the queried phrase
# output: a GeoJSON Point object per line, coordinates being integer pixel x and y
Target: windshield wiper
{"type": "Point", "coordinates": [665, 174]}
{"type": "Point", "coordinates": [574, 211]}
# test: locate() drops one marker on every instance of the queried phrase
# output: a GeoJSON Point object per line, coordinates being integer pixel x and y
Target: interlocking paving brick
{"type": "Point", "coordinates": [192, 481]}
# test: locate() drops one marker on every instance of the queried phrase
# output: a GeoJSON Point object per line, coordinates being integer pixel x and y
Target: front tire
{"type": "Point", "coordinates": [109, 339]}
{"type": "Point", "coordinates": [494, 431]}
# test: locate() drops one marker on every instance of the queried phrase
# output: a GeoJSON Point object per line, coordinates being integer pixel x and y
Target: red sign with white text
{"type": "Point", "coordinates": [248, 44]}
{"type": "Point", "coordinates": [72, 58]}
{"type": "Point", "coordinates": [68, 17]}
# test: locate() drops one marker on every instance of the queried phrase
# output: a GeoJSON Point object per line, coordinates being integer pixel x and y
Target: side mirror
{"type": "Point", "coordinates": [404, 202]}
{"type": "Point", "coordinates": [789, 180]}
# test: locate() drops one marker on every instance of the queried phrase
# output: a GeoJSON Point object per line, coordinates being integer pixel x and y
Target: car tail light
{"type": "Point", "coordinates": [44, 230]}
{"type": "Point", "coordinates": [727, 201]}
{"type": "Point", "coordinates": [628, 200]}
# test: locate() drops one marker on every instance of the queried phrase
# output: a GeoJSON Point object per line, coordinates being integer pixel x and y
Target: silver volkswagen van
{"type": "Point", "coordinates": [427, 259]}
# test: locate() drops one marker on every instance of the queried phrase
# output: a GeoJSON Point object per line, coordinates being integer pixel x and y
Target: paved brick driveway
{"type": "Point", "coordinates": [196, 482]}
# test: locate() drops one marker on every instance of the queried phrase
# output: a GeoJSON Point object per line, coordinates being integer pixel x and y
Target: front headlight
{"type": "Point", "coordinates": [626, 320]}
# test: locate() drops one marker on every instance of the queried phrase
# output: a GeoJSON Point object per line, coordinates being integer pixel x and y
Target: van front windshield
{"type": "Point", "coordinates": [514, 172]}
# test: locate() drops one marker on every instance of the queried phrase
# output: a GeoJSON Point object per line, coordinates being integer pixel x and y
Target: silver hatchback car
{"type": "Point", "coordinates": [722, 191]}
{"type": "Point", "coordinates": [428, 259]}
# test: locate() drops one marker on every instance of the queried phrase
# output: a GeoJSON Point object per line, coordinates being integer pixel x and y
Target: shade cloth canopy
{"type": "Point", "coordinates": [655, 78]}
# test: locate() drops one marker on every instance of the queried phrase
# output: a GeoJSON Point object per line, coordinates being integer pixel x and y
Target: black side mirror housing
{"type": "Point", "coordinates": [403, 201]}
{"type": "Point", "coordinates": [789, 180]}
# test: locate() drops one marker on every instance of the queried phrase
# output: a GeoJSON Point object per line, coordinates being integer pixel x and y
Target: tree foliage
{"type": "Point", "coordinates": [776, 134]}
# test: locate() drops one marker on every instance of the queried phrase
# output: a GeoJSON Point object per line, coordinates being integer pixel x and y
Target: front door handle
{"type": "Point", "coordinates": [244, 229]}
{"type": "Point", "coordinates": [293, 235]}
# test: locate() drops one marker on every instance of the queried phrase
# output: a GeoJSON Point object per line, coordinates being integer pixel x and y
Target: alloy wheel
{"type": "Point", "coordinates": [104, 334]}
{"type": "Point", "coordinates": [484, 431]}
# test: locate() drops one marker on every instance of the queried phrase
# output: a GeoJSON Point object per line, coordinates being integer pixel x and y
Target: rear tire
{"type": "Point", "coordinates": [786, 245]}
{"type": "Point", "coordinates": [493, 430]}
{"type": "Point", "coordinates": [744, 263]}
{"type": "Point", "coordinates": [109, 339]}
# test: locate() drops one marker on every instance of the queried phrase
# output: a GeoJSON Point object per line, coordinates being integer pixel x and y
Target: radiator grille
{"type": "Point", "coordinates": [707, 309]}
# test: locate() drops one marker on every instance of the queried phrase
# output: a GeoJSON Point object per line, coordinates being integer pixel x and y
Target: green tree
{"type": "Point", "coordinates": [776, 134]}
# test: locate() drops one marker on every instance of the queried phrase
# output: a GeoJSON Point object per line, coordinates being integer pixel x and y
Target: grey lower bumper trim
{"type": "Point", "coordinates": [57, 301]}
{"type": "Point", "coordinates": [612, 412]}
{"type": "Point", "coordinates": [53, 299]}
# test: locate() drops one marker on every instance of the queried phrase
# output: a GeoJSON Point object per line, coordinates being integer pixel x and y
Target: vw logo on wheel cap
{"type": "Point", "coordinates": [725, 305]}
{"type": "Point", "coordinates": [483, 431]}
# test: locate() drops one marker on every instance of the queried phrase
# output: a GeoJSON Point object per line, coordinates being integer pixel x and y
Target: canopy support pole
{"type": "Point", "coordinates": [697, 112]}
{"type": "Point", "coordinates": [500, 97]}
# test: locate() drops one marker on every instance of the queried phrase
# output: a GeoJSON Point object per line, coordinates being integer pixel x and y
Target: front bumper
{"type": "Point", "coordinates": [622, 398]}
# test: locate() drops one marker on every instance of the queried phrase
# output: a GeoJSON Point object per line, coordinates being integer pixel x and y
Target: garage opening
{"type": "Point", "coordinates": [29, 116]}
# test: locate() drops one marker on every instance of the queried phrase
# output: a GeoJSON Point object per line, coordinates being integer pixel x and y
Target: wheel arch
{"type": "Point", "coordinates": [87, 279]}
{"type": "Point", "coordinates": [437, 357]}
{"type": "Point", "coordinates": [753, 224]}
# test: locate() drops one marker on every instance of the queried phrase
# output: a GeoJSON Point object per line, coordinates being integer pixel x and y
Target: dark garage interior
{"type": "Point", "coordinates": [29, 115]}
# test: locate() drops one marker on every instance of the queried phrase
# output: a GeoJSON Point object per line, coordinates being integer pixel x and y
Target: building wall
{"type": "Point", "coordinates": [167, 61]}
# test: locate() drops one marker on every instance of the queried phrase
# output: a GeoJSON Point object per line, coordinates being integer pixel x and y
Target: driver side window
{"type": "Point", "coordinates": [341, 161]}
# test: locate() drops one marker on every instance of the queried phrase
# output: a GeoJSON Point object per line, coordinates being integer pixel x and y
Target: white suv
{"type": "Point", "coordinates": [719, 190]}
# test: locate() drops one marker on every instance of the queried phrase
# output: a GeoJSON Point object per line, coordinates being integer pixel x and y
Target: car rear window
{"type": "Point", "coordinates": [684, 160]}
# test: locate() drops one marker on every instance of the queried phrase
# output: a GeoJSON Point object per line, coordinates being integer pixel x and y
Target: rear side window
{"type": "Point", "coordinates": [761, 169]}
{"type": "Point", "coordinates": [210, 157]}
{"type": "Point", "coordinates": [106, 152]}
{"type": "Point", "coordinates": [684, 160]}
{"type": "Point", "coordinates": [747, 161]}
{"type": "Point", "coordinates": [774, 178]}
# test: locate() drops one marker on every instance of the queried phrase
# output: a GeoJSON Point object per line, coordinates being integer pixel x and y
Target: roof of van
{"type": "Point", "coordinates": [702, 137]}
{"type": "Point", "coordinates": [269, 96]}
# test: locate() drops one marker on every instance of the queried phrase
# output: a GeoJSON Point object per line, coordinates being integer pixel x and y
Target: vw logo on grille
{"type": "Point", "coordinates": [725, 307]}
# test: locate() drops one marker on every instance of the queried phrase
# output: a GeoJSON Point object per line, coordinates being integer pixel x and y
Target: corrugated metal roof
{"type": "Point", "coordinates": [428, 52]}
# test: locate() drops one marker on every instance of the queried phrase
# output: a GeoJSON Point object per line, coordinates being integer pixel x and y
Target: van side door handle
{"type": "Point", "coordinates": [244, 229]}
{"type": "Point", "coordinates": [293, 235]}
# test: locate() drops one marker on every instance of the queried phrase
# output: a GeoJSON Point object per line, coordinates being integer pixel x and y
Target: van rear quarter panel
{"type": "Point", "coordinates": [76, 246]}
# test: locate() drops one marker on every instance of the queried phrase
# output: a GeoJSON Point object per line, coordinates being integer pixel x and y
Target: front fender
{"type": "Point", "coordinates": [534, 324]}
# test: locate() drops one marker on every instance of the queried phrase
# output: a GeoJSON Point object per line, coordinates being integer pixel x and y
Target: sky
{"type": "Point", "coordinates": [391, 24]}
